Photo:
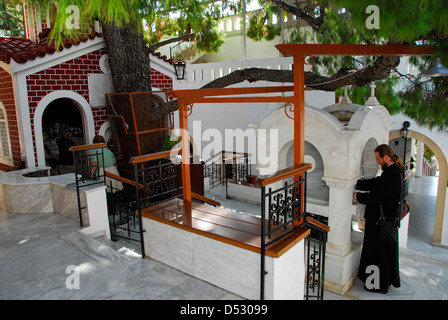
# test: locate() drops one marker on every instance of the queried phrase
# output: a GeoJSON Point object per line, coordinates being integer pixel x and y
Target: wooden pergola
{"type": "Point", "coordinates": [299, 52]}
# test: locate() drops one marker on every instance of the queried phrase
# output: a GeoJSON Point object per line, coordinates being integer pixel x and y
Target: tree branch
{"type": "Point", "coordinates": [164, 43]}
{"type": "Point", "coordinates": [314, 23]}
{"type": "Point", "coordinates": [380, 69]}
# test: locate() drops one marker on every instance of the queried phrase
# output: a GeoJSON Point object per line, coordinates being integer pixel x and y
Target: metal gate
{"type": "Point", "coordinates": [315, 259]}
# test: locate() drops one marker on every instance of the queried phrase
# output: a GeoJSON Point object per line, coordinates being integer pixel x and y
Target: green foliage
{"type": "Point", "coordinates": [426, 103]}
{"type": "Point", "coordinates": [260, 26]}
{"type": "Point", "coordinates": [168, 142]}
{"type": "Point", "coordinates": [428, 153]}
{"type": "Point", "coordinates": [11, 18]}
{"type": "Point", "coordinates": [164, 18]}
{"type": "Point", "coordinates": [401, 22]}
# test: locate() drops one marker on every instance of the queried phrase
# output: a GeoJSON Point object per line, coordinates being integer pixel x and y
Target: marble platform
{"type": "Point", "coordinates": [35, 256]}
{"type": "Point", "coordinates": [39, 194]}
{"type": "Point", "coordinates": [223, 248]}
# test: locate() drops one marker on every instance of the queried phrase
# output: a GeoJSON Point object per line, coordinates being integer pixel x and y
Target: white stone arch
{"type": "Point", "coordinates": [315, 119]}
{"type": "Point", "coordinates": [84, 108]}
{"type": "Point", "coordinates": [104, 131]}
{"type": "Point", "coordinates": [340, 147]}
{"type": "Point", "coordinates": [440, 231]}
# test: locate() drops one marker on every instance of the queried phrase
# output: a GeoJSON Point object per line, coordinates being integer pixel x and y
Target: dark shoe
{"type": "Point", "coordinates": [382, 291]}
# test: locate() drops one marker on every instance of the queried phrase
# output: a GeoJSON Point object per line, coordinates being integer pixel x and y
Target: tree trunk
{"type": "Point", "coordinates": [133, 135]}
{"type": "Point", "coordinates": [130, 66]}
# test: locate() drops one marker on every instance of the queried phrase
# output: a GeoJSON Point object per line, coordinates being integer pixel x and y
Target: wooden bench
{"type": "Point", "coordinates": [223, 247]}
{"type": "Point", "coordinates": [234, 228]}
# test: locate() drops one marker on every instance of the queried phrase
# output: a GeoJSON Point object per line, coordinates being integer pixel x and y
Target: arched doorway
{"type": "Point", "coordinates": [62, 125]}
{"type": "Point", "coordinates": [61, 115]}
{"type": "Point", "coordinates": [443, 179]}
{"type": "Point", "coordinates": [83, 109]}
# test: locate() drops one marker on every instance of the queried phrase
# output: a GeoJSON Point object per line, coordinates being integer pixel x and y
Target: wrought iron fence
{"type": "Point", "coordinates": [124, 220]}
{"type": "Point", "coordinates": [282, 212]}
{"type": "Point", "coordinates": [225, 166]}
{"type": "Point", "coordinates": [89, 169]}
{"type": "Point", "coordinates": [124, 223]}
{"type": "Point", "coordinates": [159, 181]}
{"type": "Point", "coordinates": [315, 258]}
{"type": "Point", "coordinates": [239, 167]}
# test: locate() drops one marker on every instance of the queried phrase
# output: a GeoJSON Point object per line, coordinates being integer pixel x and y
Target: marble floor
{"type": "Point", "coordinates": [38, 251]}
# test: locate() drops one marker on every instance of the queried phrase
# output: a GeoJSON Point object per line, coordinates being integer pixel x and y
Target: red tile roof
{"type": "Point", "coordinates": [164, 57]}
{"type": "Point", "coordinates": [22, 50]}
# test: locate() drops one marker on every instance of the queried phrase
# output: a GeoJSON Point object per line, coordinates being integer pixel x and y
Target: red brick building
{"type": "Point", "coordinates": [42, 89]}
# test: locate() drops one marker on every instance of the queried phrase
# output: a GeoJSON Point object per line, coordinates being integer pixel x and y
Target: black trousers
{"type": "Point", "coordinates": [381, 254]}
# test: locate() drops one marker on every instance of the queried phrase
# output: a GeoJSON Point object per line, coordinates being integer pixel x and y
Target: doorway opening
{"type": "Point", "coordinates": [63, 127]}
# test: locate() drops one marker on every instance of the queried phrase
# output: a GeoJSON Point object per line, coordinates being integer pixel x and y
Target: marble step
{"type": "Point", "coordinates": [127, 247]}
{"type": "Point", "coordinates": [100, 251]}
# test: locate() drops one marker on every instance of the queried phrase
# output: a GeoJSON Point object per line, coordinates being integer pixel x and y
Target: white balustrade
{"type": "Point", "coordinates": [197, 75]}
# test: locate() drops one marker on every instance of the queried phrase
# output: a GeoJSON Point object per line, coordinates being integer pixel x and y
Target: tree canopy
{"type": "Point", "coordinates": [399, 22]}
{"type": "Point", "coordinates": [11, 18]}
{"type": "Point", "coordinates": [330, 21]}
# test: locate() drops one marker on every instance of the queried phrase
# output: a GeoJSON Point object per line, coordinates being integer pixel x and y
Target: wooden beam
{"type": "Point", "coordinates": [240, 100]}
{"type": "Point", "coordinates": [352, 50]}
{"type": "Point", "coordinates": [197, 93]}
{"type": "Point", "coordinates": [153, 156]}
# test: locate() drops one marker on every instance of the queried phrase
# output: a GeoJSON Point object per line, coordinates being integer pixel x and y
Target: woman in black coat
{"type": "Point", "coordinates": [384, 191]}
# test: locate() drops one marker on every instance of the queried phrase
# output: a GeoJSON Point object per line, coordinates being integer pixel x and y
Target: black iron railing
{"type": "Point", "coordinates": [282, 209]}
{"type": "Point", "coordinates": [121, 200]}
{"type": "Point", "coordinates": [89, 169]}
{"type": "Point", "coordinates": [124, 222]}
{"type": "Point", "coordinates": [227, 166]}
{"type": "Point", "coordinates": [159, 178]}
{"type": "Point", "coordinates": [213, 170]}
{"type": "Point", "coordinates": [315, 259]}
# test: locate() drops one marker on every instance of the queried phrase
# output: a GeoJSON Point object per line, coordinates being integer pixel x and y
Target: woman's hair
{"type": "Point", "coordinates": [385, 150]}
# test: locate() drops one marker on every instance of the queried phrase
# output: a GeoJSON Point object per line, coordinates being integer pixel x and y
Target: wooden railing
{"type": "Point", "coordinates": [154, 156]}
{"type": "Point", "coordinates": [87, 147]}
{"type": "Point", "coordinates": [284, 174]}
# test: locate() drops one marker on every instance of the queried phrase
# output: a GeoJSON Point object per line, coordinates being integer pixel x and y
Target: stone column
{"type": "Point", "coordinates": [419, 160]}
{"type": "Point", "coordinates": [341, 258]}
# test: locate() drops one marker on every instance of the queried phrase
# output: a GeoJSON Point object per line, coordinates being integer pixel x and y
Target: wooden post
{"type": "Point", "coordinates": [299, 124]}
{"type": "Point", "coordinates": [185, 145]}
{"type": "Point", "coordinates": [299, 109]}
